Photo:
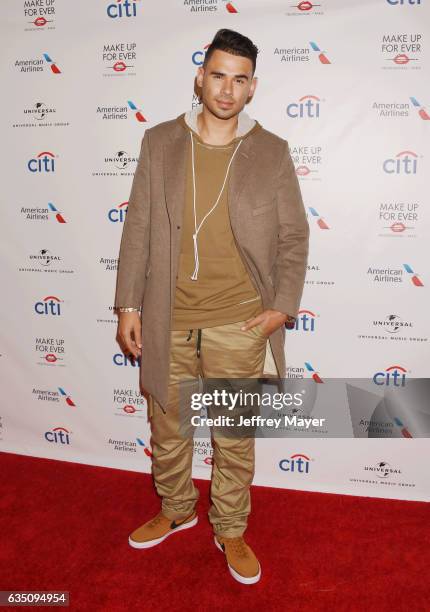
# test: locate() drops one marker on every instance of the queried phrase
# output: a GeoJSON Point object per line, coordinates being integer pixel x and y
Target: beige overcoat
{"type": "Point", "coordinates": [268, 220]}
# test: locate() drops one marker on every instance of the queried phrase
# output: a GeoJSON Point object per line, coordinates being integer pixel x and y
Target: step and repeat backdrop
{"type": "Point", "coordinates": [347, 84]}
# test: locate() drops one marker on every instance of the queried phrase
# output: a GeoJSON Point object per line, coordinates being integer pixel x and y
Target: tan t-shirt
{"type": "Point", "coordinates": [223, 292]}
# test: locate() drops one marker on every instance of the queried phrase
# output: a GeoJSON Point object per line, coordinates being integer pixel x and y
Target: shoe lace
{"type": "Point", "coordinates": [238, 546]}
{"type": "Point", "coordinates": [157, 519]}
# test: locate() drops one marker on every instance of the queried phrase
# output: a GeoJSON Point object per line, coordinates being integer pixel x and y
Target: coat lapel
{"type": "Point", "coordinates": [175, 173]}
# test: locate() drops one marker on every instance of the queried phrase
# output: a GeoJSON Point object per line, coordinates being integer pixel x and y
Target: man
{"type": "Point", "coordinates": [214, 250]}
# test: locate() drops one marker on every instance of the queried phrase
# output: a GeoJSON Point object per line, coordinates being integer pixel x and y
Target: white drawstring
{"type": "Point", "coordinates": [197, 229]}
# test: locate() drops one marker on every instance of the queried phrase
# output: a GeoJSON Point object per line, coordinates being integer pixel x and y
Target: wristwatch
{"type": "Point", "coordinates": [290, 322]}
{"type": "Point", "coordinates": [126, 309]}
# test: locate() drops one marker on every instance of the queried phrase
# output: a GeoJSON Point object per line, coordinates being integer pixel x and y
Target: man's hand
{"type": "Point", "coordinates": [270, 321]}
{"type": "Point", "coordinates": [130, 333]}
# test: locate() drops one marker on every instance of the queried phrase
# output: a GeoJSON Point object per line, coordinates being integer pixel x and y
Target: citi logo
{"type": "Point", "coordinates": [121, 360]}
{"type": "Point", "coordinates": [314, 374]}
{"type": "Point", "coordinates": [117, 215]}
{"type": "Point", "coordinates": [402, 2]}
{"type": "Point", "coordinates": [53, 66]}
{"type": "Point", "coordinates": [394, 376]}
{"type": "Point", "coordinates": [58, 216]}
{"type": "Point", "coordinates": [198, 57]}
{"type": "Point", "coordinates": [305, 321]}
{"type": "Point", "coordinates": [50, 305]}
{"type": "Point", "coordinates": [298, 463]}
{"type": "Point", "coordinates": [122, 8]}
{"type": "Point", "coordinates": [405, 162]}
{"type": "Point", "coordinates": [146, 449]}
{"type": "Point", "coordinates": [307, 107]}
{"type": "Point", "coordinates": [137, 113]}
{"type": "Point", "coordinates": [320, 221]}
{"type": "Point", "coordinates": [421, 110]}
{"type": "Point", "coordinates": [43, 162]}
{"type": "Point", "coordinates": [58, 435]}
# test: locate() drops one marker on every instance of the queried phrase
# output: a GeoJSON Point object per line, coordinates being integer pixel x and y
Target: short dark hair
{"type": "Point", "coordinates": [234, 43]}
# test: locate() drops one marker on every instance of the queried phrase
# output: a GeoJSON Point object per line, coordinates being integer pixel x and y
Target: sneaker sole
{"type": "Point", "coordinates": [236, 576]}
{"type": "Point", "coordinates": [151, 543]}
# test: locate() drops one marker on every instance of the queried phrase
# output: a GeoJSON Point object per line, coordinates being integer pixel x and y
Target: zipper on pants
{"type": "Point", "coordinates": [199, 339]}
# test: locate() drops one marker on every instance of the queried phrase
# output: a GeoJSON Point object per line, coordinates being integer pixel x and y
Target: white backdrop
{"type": "Point", "coordinates": [346, 83]}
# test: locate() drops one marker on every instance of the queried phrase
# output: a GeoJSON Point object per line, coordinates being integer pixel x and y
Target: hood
{"type": "Point", "coordinates": [245, 126]}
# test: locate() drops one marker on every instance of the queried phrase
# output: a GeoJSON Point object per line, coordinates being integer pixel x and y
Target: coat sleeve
{"type": "Point", "coordinates": [293, 239]}
{"type": "Point", "coordinates": [134, 246]}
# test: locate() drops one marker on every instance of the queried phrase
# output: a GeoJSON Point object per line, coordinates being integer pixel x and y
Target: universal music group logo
{"type": "Point", "coordinates": [383, 473]}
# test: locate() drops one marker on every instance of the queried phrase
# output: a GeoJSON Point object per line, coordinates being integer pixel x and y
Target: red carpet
{"type": "Point", "coordinates": [65, 526]}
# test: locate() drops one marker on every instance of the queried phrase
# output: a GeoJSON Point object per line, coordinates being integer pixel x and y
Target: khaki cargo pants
{"type": "Point", "coordinates": [224, 351]}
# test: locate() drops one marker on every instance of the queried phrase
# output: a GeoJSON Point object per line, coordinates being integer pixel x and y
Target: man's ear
{"type": "Point", "coordinates": [199, 77]}
{"type": "Point", "coordinates": [253, 87]}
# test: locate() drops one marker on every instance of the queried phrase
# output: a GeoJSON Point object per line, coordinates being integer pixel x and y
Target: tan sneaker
{"type": "Point", "coordinates": [158, 529]}
{"type": "Point", "coordinates": [241, 561]}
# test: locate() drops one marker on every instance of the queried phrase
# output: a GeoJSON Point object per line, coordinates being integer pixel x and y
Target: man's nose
{"type": "Point", "coordinates": [227, 87]}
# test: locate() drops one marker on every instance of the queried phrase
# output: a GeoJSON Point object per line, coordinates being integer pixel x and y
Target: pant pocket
{"type": "Point", "coordinates": [260, 331]}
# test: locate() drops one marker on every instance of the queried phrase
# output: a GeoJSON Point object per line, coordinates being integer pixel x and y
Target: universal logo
{"type": "Point", "coordinates": [46, 262]}
{"type": "Point", "coordinates": [392, 328]}
{"type": "Point", "coordinates": [120, 163]}
{"type": "Point", "coordinates": [392, 324]}
{"type": "Point", "coordinates": [384, 474]}
{"type": "Point", "coordinates": [313, 277]}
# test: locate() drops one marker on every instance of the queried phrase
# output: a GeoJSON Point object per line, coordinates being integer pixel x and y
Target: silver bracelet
{"type": "Point", "coordinates": [122, 309]}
